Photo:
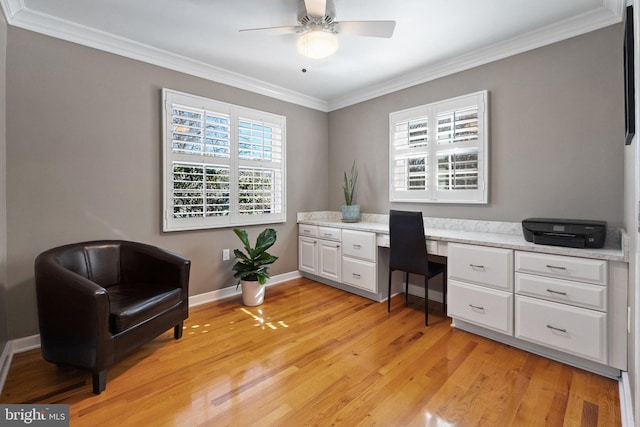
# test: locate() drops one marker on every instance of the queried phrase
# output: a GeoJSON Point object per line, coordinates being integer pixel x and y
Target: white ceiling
{"type": "Point", "coordinates": [201, 37]}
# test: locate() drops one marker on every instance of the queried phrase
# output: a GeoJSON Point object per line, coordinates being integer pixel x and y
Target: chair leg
{"type": "Point", "coordinates": [389, 298]}
{"type": "Point", "coordinates": [177, 331]}
{"type": "Point", "coordinates": [426, 301]}
{"type": "Point", "coordinates": [406, 286]}
{"type": "Point", "coordinates": [99, 381]}
{"type": "Point", "coordinates": [444, 289]}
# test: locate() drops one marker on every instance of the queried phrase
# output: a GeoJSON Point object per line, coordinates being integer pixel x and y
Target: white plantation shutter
{"type": "Point", "coordinates": [439, 152]}
{"type": "Point", "coordinates": [223, 165]}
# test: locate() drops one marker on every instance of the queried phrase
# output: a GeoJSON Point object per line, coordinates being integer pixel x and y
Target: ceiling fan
{"type": "Point", "coordinates": [318, 28]}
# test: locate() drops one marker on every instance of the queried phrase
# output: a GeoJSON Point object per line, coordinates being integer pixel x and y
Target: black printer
{"type": "Point", "coordinates": [573, 233]}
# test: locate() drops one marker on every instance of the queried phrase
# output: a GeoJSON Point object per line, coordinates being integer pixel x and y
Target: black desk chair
{"type": "Point", "coordinates": [409, 254]}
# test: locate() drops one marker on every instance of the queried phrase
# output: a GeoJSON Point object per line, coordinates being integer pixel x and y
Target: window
{"type": "Point", "coordinates": [438, 153]}
{"type": "Point", "coordinates": [224, 165]}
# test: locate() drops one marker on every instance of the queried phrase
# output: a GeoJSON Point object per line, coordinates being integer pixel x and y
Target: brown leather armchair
{"type": "Point", "coordinates": [100, 300]}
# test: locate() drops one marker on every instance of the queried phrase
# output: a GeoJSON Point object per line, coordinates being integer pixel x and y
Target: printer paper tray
{"type": "Point", "coordinates": [555, 240]}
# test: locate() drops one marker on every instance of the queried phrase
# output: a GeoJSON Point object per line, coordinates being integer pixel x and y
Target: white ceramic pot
{"type": "Point", "coordinates": [252, 293]}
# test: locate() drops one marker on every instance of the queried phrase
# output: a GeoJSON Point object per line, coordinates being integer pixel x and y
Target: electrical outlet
{"type": "Point", "coordinates": [226, 254]}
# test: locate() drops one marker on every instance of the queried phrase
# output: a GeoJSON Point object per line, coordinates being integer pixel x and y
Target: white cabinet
{"type": "Point", "coordinates": [359, 255]}
{"type": "Point", "coordinates": [345, 257]}
{"type": "Point", "coordinates": [329, 259]}
{"type": "Point", "coordinates": [561, 303]}
{"type": "Point", "coordinates": [562, 327]}
{"type": "Point", "coordinates": [359, 244]}
{"type": "Point", "coordinates": [481, 265]}
{"type": "Point", "coordinates": [480, 286]}
{"type": "Point", "coordinates": [320, 251]}
{"type": "Point", "coordinates": [482, 306]}
{"type": "Point", "coordinates": [308, 254]}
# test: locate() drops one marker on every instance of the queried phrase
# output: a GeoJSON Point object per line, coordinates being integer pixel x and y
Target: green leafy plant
{"type": "Point", "coordinates": [252, 262]}
{"type": "Point", "coordinates": [349, 184]}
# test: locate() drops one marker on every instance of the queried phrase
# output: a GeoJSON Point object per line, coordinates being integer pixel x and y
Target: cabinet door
{"type": "Point", "coordinates": [308, 255]}
{"type": "Point", "coordinates": [330, 260]}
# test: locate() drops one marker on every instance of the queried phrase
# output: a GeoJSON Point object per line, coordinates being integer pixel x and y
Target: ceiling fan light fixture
{"type": "Point", "coordinates": [317, 44]}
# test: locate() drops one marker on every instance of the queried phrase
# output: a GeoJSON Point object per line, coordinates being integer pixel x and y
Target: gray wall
{"type": "Point", "coordinates": [84, 159]}
{"type": "Point", "coordinates": [556, 134]}
{"type": "Point", "coordinates": [84, 162]}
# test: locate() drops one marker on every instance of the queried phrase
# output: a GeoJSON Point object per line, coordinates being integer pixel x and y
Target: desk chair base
{"type": "Point", "coordinates": [431, 274]}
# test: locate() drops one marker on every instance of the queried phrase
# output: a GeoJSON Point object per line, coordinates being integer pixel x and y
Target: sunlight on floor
{"type": "Point", "coordinates": [261, 322]}
{"type": "Point", "coordinates": [435, 421]}
{"type": "Point", "coordinates": [193, 332]}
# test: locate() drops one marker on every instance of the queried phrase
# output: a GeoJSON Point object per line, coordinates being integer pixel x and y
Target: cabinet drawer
{"type": "Point", "coordinates": [485, 307]}
{"type": "Point", "coordinates": [359, 244]}
{"type": "Point", "coordinates": [481, 265]}
{"type": "Point", "coordinates": [307, 230]}
{"type": "Point", "coordinates": [563, 291]}
{"type": "Point", "coordinates": [329, 233]}
{"type": "Point", "coordinates": [570, 329]}
{"type": "Point", "coordinates": [564, 267]}
{"type": "Point", "coordinates": [358, 273]}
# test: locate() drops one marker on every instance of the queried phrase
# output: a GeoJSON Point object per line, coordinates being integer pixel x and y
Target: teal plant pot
{"type": "Point", "coordinates": [350, 213]}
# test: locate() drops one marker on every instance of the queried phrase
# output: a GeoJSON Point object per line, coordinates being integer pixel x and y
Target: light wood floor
{"type": "Point", "coordinates": [314, 355]}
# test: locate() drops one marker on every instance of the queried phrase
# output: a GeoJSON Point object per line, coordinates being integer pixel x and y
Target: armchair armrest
{"type": "Point", "coordinates": [141, 263]}
{"type": "Point", "coordinates": [73, 312]}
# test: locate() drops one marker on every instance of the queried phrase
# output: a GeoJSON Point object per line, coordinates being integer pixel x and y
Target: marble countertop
{"type": "Point", "coordinates": [488, 233]}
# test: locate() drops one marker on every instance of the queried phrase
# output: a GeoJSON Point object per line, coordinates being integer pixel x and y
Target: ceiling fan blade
{"type": "Point", "coordinates": [367, 28]}
{"type": "Point", "coordinates": [275, 30]}
{"type": "Point", "coordinates": [316, 8]}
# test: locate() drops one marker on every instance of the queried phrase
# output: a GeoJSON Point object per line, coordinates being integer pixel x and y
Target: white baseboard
{"type": "Point", "coordinates": [232, 290]}
{"type": "Point", "coordinates": [5, 363]}
{"type": "Point", "coordinates": [626, 405]}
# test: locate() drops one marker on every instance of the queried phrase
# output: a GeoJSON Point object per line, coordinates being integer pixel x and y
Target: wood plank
{"type": "Point", "coordinates": [315, 355]}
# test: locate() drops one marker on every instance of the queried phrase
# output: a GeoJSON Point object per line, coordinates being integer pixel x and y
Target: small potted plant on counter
{"type": "Point", "coordinates": [350, 211]}
{"type": "Point", "coordinates": [251, 267]}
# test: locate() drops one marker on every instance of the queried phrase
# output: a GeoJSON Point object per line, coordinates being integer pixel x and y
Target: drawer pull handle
{"type": "Point", "coordinates": [355, 275]}
{"type": "Point", "coordinates": [356, 246]}
{"type": "Point", "coordinates": [476, 266]}
{"type": "Point", "coordinates": [476, 307]}
{"type": "Point", "coordinates": [564, 331]}
{"type": "Point", "coordinates": [327, 234]}
{"type": "Point", "coordinates": [556, 292]}
{"type": "Point", "coordinates": [555, 267]}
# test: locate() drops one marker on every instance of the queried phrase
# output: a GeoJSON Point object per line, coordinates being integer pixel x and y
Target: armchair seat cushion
{"type": "Point", "coordinates": [132, 304]}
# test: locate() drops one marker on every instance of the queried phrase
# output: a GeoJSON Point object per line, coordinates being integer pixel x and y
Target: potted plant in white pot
{"type": "Point", "coordinates": [350, 211]}
{"type": "Point", "coordinates": [251, 267]}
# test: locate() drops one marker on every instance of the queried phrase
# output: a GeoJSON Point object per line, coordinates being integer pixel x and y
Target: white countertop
{"type": "Point", "coordinates": [486, 233]}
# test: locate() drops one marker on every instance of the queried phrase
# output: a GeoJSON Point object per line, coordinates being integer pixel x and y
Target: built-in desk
{"type": "Point", "coordinates": [541, 288]}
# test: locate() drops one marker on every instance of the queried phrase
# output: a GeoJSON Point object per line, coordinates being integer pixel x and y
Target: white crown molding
{"type": "Point", "coordinates": [19, 15]}
{"type": "Point", "coordinates": [11, 7]}
{"type": "Point", "coordinates": [611, 13]}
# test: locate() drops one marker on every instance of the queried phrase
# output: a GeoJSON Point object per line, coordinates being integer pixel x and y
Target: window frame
{"type": "Point", "coordinates": [432, 150]}
{"type": "Point", "coordinates": [234, 161]}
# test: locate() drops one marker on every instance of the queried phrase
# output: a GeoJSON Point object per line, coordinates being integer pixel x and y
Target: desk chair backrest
{"type": "Point", "coordinates": [408, 247]}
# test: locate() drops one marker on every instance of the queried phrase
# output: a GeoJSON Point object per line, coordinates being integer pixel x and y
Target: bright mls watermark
{"type": "Point", "coordinates": [34, 415]}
